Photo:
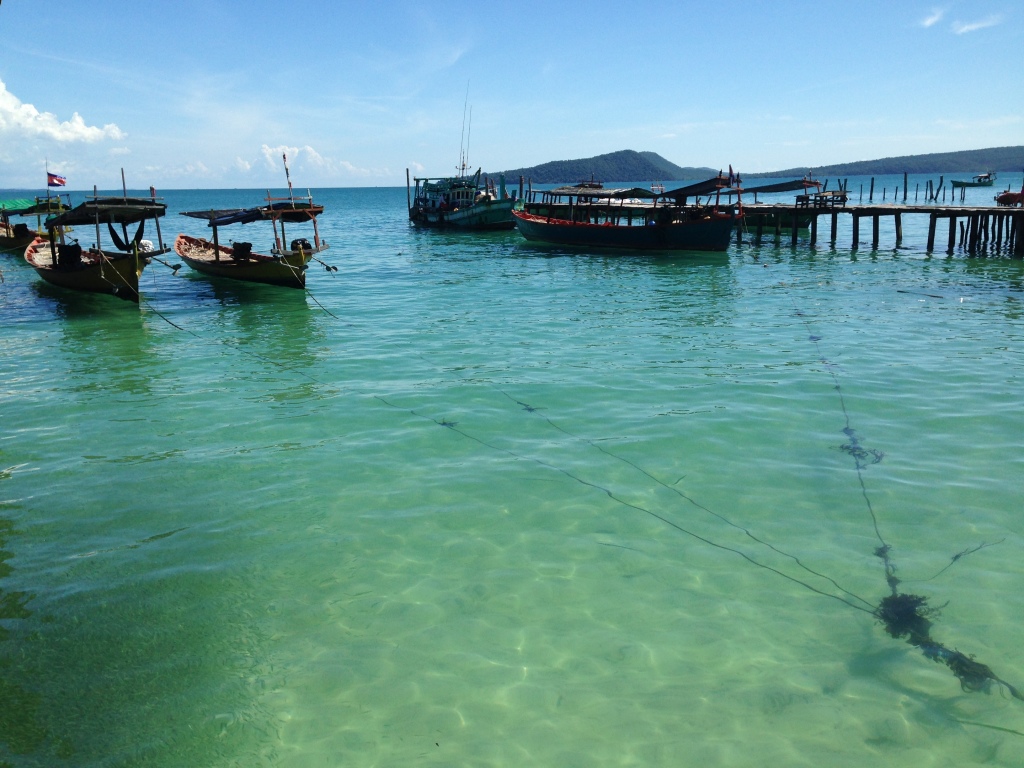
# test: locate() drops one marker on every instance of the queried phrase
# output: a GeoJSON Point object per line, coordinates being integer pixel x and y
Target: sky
{"type": "Point", "coordinates": [210, 93]}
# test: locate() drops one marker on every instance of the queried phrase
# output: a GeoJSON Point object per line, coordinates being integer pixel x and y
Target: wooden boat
{"type": "Point", "coordinates": [283, 266]}
{"type": "Point", "coordinates": [14, 238]}
{"type": "Point", "coordinates": [460, 202]}
{"type": "Point", "coordinates": [1011, 199]}
{"type": "Point", "coordinates": [634, 219]}
{"type": "Point", "coordinates": [99, 269]}
{"type": "Point", "coordinates": [981, 180]}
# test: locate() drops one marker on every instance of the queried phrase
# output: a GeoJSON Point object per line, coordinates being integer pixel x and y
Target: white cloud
{"type": "Point", "coordinates": [243, 165]}
{"type": "Point", "coordinates": [20, 118]}
{"type": "Point", "coordinates": [419, 168]}
{"type": "Point", "coordinates": [934, 18]}
{"type": "Point", "coordinates": [962, 28]}
{"type": "Point", "coordinates": [270, 154]}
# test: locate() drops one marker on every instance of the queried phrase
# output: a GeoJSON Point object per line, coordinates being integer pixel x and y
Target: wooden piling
{"type": "Point", "coordinates": [898, 221]}
{"type": "Point", "coordinates": [856, 231]}
{"type": "Point", "coordinates": [931, 232]}
{"type": "Point", "coordinates": [874, 231]}
{"type": "Point", "coordinates": [814, 230]}
{"type": "Point", "coordinates": [951, 246]}
{"type": "Point", "coordinates": [778, 227]}
{"type": "Point", "coordinates": [796, 228]}
{"type": "Point", "coordinates": [871, 193]}
{"type": "Point", "coordinates": [835, 221]}
{"type": "Point", "coordinates": [904, 186]}
{"type": "Point", "coordinates": [760, 229]}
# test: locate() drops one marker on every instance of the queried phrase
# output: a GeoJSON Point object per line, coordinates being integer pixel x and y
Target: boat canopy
{"type": "Point", "coordinates": [784, 186]}
{"type": "Point", "coordinates": [110, 210]}
{"type": "Point", "coordinates": [27, 207]}
{"type": "Point", "coordinates": [297, 211]}
{"type": "Point", "coordinates": [227, 216]}
{"type": "Point", "coordinates": [713, 184]}
{"type": "Point", "coordinates": [603, 194]}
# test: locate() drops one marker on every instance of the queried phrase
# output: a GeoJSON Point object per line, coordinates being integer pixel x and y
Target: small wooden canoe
{"type": "Point", "coordinates": [240, 263]}
{"type": "Point", "coordinates": [68, 265]}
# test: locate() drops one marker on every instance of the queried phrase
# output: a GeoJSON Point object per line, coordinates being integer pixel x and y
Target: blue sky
{"type": "Point", "coordinates": [201, 93]}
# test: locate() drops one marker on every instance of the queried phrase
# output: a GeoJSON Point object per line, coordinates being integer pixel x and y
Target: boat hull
{"type": "Point", "coordinates": [703, 234]}
{"type": "Point", "coordinates": [288, 271]}
{"type": "Point", "coordinates": [958, 184]}
{"type": "Point", "coordinates": [106, 272]}
{"type": "Point", "coordinates": [487, 215]}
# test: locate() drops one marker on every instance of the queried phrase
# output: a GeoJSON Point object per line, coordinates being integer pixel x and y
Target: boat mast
{"type": "Point", "coordinates": [287, 175]}
{"type": "Point", "coordinates": [463, 151]}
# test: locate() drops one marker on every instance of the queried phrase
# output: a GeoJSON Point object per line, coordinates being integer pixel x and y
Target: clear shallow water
{"type": "Point", "coordinates": [438, 529]}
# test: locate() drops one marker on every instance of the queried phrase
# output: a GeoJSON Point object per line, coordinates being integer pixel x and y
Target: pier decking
{"type": "Point", "coordinates": [981, 228]}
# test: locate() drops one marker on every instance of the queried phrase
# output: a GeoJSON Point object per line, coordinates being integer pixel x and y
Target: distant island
{"type": "Point", "coordinates": [967, 161]}
{"type": "Point", "coordinates": [624, 165]}
{"type": "Point", "coordinates": [628, 165]}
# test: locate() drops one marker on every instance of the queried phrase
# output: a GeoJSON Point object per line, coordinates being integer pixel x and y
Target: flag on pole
{"type": "Point", "coordinates": [53, 180]}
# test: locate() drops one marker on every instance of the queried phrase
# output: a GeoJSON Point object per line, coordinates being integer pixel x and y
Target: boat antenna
{"type": "Point", "coordinates": [462, 138]}
{"type": "Point", "coordinates": [287, 174]}
{"type": "Point", "coordinates": [469, 132]}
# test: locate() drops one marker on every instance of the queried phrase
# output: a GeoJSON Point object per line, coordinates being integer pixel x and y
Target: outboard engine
{"type": "Point", "coordinates": [241, 251]}
{"type": "Point", "coordinates": [69, 254]}
{"type": "Point", "coordinates": [301, 244]}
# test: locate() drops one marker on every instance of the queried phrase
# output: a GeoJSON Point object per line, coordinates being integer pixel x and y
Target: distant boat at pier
{"type": "Point", "coordinates": [981, 180]}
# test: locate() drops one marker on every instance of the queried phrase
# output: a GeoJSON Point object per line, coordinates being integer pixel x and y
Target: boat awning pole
{"type": "Point", "coordinates": [159, 237]}
{"type": "Point", "coordinates": [95, 194]}
{"type": "Point", "coordinates": [216, 242]}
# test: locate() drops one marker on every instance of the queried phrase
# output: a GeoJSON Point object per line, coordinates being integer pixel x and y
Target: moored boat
{"type": "Point", "coordinates": [1011, 199]}
{"type": "Point", "coordinates": [100, 268]}
{"type": "Point", "coordinates": [15, 237]}
{"type": "Point", "coordinates": [633, 219]}
{"type": "Point", "coordinates": [283, 266]}
{"type": "Point", "coordinates": [981, 180]}
{"type": "Point", "coordinates": [460, 202]}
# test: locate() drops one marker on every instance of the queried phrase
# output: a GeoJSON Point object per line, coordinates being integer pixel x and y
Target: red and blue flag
{"type": "Point", "coordinates": [53, 180]}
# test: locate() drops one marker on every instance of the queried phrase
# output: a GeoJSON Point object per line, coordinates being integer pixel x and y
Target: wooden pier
{"type": "Point", "coordinates": [974, 229]}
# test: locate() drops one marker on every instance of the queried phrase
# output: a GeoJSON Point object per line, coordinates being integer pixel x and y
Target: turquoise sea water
{"type": "Point", "coordinates": [476, 502]}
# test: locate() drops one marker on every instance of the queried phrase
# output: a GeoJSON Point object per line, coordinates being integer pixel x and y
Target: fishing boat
{"type": "Point", "coordinates": [15, 237]}
{"type": "Point", "coordinates": [634, 219]}
{"type": "Point", "coordinates": [981, 180]}
{"type": "Point", "coordinates": [283, 266]}
{"type": "Point", "coordinates": [460, 202]}
{"type": "Point", "coordinates": [1010, 199]}
{"type": "Point", "coordinates": [99, 269]}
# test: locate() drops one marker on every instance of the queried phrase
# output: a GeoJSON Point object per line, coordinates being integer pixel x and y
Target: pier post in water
{"type": "Point", "coordinates": [931, 233]}
{"type": "Point", "coordinates": [874, 231]}
{"type": "Point", "coordinates": [856, 231]}
{"type": "Point", "coordinates": [951, 246]}
{"type": "Point", "coordinates": [871, 192]}
{"type": "Point", "coordinates": [904, 186]}
{"type": "Point", "coordinates": [814, 229]}
{"type": "Point", "coordinates": [898, 220]}
{"type": "Point", "coordinates": [796, 228]}
{"type": "Point", "coordinates": [835, 220]}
